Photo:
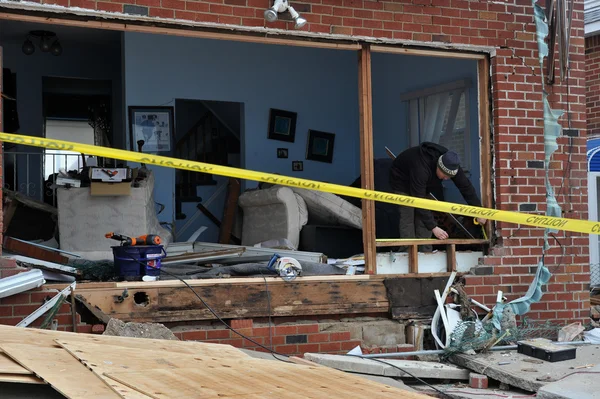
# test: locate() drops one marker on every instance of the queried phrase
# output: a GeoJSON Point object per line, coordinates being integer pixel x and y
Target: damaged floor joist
{"type": "Point", "coordinates": [171, 301]}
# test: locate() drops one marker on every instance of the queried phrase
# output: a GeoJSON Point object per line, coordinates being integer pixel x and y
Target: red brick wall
{"type": "Point", "coordinates": [517, 118]}
{"type": "Point", "coordinates": [592, 86]}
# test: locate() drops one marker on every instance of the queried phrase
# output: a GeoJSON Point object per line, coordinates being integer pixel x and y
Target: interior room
{"type": "Point", "coordinates": [287, 110]}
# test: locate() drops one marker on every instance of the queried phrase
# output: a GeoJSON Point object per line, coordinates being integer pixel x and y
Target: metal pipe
{"type": "Point", "coordinates": [441, 351]}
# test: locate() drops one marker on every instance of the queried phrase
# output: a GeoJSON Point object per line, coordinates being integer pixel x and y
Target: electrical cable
{"type": "Point", "coordinates": [209, 308]}
{"type": "Point", "coordinates": [404, 371]}
{"type": "Point", "coordinates": [269, 313]}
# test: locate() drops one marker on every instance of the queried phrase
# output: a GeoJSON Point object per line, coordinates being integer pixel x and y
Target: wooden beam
{"type": "Point", "coordinates": [413, 259]}
{"type": "Point", "coordinates": [451, 257]}
{"type": "Point", "coordinates": [299, 297]}
{"type": "Point", "coordinates": [483, 88]}
{"type": "Point", "coordinates": [433, 241]}
{"type": "Point", "coordinates": [188, 30]}
{"type": "Point", "coordinates": [452, 53]}
{"type": "Point", "coordinates": [366, 157]}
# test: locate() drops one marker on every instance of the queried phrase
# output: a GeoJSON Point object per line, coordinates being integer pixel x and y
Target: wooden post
{"type": "Point", "coordinates": [451, 257]}
{"type": "Point", "coordinates": [413, 259]}
{"type": "Point", "coordinates": [483, 78]}
{"type": "Point", "coordinates": [366, 156]}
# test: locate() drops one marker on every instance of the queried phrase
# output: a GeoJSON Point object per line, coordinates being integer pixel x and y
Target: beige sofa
{"type": "Point", "coordinates": [280, 212]}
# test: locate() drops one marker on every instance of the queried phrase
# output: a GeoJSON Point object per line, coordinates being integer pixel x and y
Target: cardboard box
{"type": "Point", "coordinates": [112, 175]}
{"type": "Point", "coordinates": [110, 189]}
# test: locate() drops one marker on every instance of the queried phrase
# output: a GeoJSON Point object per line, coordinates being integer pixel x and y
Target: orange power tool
{"type": "Point", "coordinates": [148, 239]}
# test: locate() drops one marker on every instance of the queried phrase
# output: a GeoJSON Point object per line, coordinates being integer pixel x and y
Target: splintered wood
{"type": "Point", "coordinates": [81, 366]}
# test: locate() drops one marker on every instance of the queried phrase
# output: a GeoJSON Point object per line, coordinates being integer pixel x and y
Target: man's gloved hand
{"type": "Point", "coordinates": [439, 233]}
{"type": "Point", "coordinates": [481, 220]}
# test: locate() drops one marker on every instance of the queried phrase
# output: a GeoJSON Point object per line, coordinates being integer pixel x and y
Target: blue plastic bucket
{"type": "Point", "coordinates": [133, 262]}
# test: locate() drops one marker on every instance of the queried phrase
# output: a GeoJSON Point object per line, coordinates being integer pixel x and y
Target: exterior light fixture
{"type": "Point", "coordinates": [48, 42]}
{"type": "Point", "coordinates": [279, 6]}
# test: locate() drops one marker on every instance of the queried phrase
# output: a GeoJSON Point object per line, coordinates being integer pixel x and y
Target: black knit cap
{"type": "Point", "coordinates": [449, 163]}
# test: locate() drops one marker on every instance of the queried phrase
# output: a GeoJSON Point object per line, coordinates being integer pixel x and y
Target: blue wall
{"type": "Point", "coordinates": [320, 85]}
{"type": "Point", "coordinates": [394, 75]}
{"type": "Point", "coordinates": [77, 61]}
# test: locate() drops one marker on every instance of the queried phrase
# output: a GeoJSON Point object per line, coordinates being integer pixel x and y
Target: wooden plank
{"type": "Point", "coordinates": [413, 259]}
{"type": "Point", "coordinates": [176, 302]}
{"type": "Point", "coordinates": [366, 156]}
{"type": "Point", "coordinates": [485, 151]}
{"type": "Point", "coordinates": [453, 53]}
{"type": "Point", "coordinates": [31, 251]}
{"type": "Point", "coordinates": [185, 29]}
{"type": "Point", "coordinates": [9, 366]}
{"type": "Point", "coordinates": [433, 241]}
{"type": "Point", "coordinates": [102, 359]}
{"type": "Point", "coordinates": [272, 281]}
{"type": "Point", "coordinates": [270, 380]}
{"type": "Point", "coordinates": [20, 379]}
{"type": "Point", "coordinates": [231, 203]}
{"type": "Point", "coordinates": [451, 257]}
{"type": "Point", "coordinates": [46, 338]}
{"type": "Point", "coordinates": [61, 370]}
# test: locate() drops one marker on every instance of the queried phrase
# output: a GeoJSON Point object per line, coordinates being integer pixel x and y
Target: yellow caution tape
{"type": "Point", "coordinates": [574, 225]}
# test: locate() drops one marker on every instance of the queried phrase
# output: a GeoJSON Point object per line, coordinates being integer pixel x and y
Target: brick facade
{"type": "Point", "coordinates": [592, 87]}
{"type": "Point", "coordinates": [517, 118]}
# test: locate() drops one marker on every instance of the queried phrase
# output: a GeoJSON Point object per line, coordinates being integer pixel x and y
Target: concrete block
{"type": "Point", "coordinates": [373, 367]}
{"type": "Point", "coordinates": [383, 334]}
{"type": "Point", "coordinates": [478, 381]}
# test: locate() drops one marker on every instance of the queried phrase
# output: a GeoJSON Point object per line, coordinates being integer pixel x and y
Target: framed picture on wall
{"type": "Point", "coordinates": [153, 125]}
{"type": "Point", "coordinates": [320, 146]}
{"type": "Point", "coordinates": [282, 125]}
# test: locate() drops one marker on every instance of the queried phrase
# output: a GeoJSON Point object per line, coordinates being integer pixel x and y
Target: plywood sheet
{"type": "Point", "coordinates": [178, 375]}
{"type": "Point", "coordinates": [9, 366]}
{"type": "Point", "coordinates": [102, 358]}
{"type": "Point", "coordinates": [45, 338]}
{"type": "Point", "coordinates": [61, 370]}
{"type": "Point", "coordinates": [20, 379]}
{"type": "Point", "coordinates": [270, 380]}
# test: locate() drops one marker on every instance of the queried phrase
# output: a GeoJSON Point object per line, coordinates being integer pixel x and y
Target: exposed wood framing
{"type": "Point", "coordinates": [451, 257]}
{"type": "Point", "coordinates": [483, 78]}
{"type": "Point", "coordinates": [171, 301]}
{"type": "Point", "coordinates": [427, 53]}
{"type": "Point", "coordinates": [185, 31]}
{"type": "Point", "coordinates": [366, 157]}
{"type": "Point", "coordinates": [433, 241]}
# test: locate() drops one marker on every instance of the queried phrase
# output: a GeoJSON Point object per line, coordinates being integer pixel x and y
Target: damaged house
{"type": "Point", "coordinates": [328, 90]}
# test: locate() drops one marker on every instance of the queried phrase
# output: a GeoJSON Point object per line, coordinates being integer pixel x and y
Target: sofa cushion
{"type": "Point", "coordinates": [329, 209]}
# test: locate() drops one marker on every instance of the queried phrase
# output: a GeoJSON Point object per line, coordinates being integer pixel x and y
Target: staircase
{"type": "Point", "coordinates": [209, 141]}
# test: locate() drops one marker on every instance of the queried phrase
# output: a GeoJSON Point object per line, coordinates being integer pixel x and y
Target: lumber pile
{"type": "Point", "coordinates": [101, 366]}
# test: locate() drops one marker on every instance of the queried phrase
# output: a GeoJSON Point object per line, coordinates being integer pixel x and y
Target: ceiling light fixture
{"type": "Point", "coordinates": [48, 42]}
{"type": "Point", "coordinates": [279, 6]}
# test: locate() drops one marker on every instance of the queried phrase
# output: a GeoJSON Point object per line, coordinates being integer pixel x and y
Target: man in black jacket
{"type": "Point", "coordinates": [417, 172]}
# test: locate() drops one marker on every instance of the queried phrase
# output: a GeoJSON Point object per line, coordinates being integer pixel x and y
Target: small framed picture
{"type": "Point", "coordinates": [297, 166]}
{"type": "Point", "coordinates": [282, 125]}
{"type": "Point", "coordinates": [282, 153]}
{"type": "Point", "coordinates": [320, 146]}
{"type": "Point", "coordinates": [153, 125]}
